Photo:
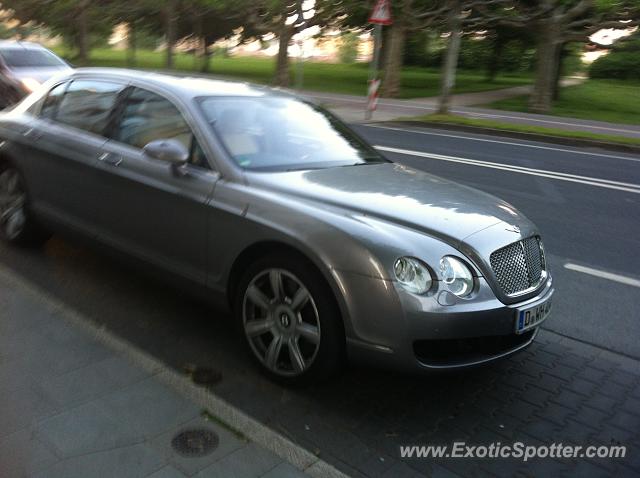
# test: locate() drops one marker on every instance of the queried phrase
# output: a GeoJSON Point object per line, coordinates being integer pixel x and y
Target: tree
{"type": "Point", "coordinates": [556, 22]}
{"type": "Point", "coordinates": [503, 40]}
{"type": "Point", "coordinates": [208, 21]}
{"type": "Point", "coordinates": [141, 16]}
{"type": "Point", "coordinates": [76, 20]}
{"type": "Point", "coordinates": [285, 18]}
{"type": "Point", "coordinates": [348, 50]}
{"type": "Point", "coordinates": [464, 14]}
{"type": "Point", "coordinates": [409, 16]}
{"type": "Point", "coordinates": [205, 21]}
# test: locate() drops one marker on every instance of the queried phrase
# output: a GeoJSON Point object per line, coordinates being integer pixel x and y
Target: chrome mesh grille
{"type": "Point", "coordinates": [518, 266]}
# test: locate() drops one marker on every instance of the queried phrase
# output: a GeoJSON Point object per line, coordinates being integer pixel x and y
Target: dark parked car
{"type": "Point", "coordinates": [321, 246]}
{"type": "Point", "coordinates": [24, 67]}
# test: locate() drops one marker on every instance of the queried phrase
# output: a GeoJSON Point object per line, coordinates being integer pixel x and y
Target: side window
{"type": "Point", "coordinates": [198, 158]}
{"type": "Point", "coordinates": [147, 117]}
{"type": "Point", "coordinates": [51, 102]}
{"type": "Point", "coordinates": [87, 104]}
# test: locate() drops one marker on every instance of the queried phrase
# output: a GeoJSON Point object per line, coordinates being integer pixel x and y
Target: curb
{"type": "Point", "coordinates": [255, 431]}
{"type": "Point", "coordinates": [579, 142]}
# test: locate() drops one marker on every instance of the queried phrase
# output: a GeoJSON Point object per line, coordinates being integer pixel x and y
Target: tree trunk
{"type": "Point", "coordinates": [206, 56]}
{"type": "Point", "coordinates": [131, 45]}
{"type": "Point", "coordinates": [83, 35]}
{"type": "Point", "coordinates": [170, 32]}
{"type": "Point", "coordinates": [451, 59]}
{"type": "Point", "coordinates": [546, 68]}
{"type": "Point", "coordinates": [495, 59]}
{"type": "Point", "coordinates": [560, 56]}
{"type": "Point", "coordinates": [394, 60]}
{"type": "Point", "coordinates": [282, 65]}
{"type": "Point", "coordinates": [200, 55]}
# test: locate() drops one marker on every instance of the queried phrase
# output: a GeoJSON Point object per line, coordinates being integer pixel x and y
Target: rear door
{"type": "Point", "coordinates": [63, 147]}
{"type": "Point", "coordinates": [149, 207]}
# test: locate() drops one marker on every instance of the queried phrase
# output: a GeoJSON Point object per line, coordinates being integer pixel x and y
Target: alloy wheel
{"type": "Point", "coordinates": [281, 322]}
{"type": "Point", "coordinates": [12, 203]}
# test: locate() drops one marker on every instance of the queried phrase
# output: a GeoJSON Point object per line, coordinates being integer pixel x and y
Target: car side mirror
{"type": "Point", "coordinates": [170, 150]}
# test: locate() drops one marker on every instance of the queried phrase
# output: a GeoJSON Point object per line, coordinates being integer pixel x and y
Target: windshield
{"type": "Point", "coordinates": [282, 134]}
{"type": "Point", "coordinates": [24, 58]}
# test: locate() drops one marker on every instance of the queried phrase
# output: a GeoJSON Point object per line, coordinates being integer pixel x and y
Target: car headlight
{"type": "Point", "coordinates": [456, 276]}
{"type": "Point", "coordinates": [413, 275]}
{"type": "Point", "coordinates": [30, 84]}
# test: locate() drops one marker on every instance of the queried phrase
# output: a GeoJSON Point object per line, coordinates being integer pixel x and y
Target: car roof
{"type": "Point", "coordinates": [185, 86]}
{"type": "Point", "coordinates": [20, 45]}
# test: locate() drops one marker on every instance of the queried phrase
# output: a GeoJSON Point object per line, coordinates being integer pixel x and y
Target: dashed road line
{"type": "Point", "coordinates": [603, 274]}
{"type": "Point", "coordinates": [508, 143]}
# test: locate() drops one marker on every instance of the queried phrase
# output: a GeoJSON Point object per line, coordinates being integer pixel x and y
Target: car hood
{"type": "Point", "coordinates": [39, 74]}
{"type": "Point", "coordinates": [404, 196]}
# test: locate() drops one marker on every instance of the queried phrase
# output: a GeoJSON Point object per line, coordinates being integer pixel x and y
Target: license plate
{"type": "Point", "coordinates": [532, 316]}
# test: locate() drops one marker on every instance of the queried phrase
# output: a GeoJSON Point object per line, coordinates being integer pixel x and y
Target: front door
{"type": "Point", "coordinates": [148, 207]}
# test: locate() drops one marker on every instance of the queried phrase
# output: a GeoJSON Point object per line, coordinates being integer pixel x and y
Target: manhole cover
{"type": "Point", "coordinates": [195, 442]}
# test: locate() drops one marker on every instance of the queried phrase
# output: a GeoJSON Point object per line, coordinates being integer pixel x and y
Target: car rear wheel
{"type": "Point", "coordinates": [17, 226]}
{"type": "Point", "coordinates": [290, 320]}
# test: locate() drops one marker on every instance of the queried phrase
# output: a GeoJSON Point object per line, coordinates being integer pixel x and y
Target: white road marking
{"type": "Point", "coordinates": [603, 274]}
{"type": "Point", "coordinates": [509, 143]}
{"type": "Point", "coordinates": [603, 183]}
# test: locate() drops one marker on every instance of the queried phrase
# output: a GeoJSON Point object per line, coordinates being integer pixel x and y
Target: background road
{"type": "Point", "coordinates": [351, 108]}
{"type": "Point", "coordinates": [558, 390]}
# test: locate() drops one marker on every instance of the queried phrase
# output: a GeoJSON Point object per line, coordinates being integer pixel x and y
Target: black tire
{"type": "Point", "coordinates": [330, 353]}
{"type": "Point", "coordinates": [19, 227]}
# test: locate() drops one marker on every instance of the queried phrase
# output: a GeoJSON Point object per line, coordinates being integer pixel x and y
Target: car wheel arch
{"type": "Point", "coordinates": [261, 249]}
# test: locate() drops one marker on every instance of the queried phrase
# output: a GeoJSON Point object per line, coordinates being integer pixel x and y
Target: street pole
{"type": "Point", "coordinates": [375, 64]}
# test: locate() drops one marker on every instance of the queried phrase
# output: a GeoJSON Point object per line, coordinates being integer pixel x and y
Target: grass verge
{"type": "Point", "coordinates": [328, 77]}
{"type": "Point", "coordinates": [603, 100]}
{"type": "Point", "coordinates": [521, 128]}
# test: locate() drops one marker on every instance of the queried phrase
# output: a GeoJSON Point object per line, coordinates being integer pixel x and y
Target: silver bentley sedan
{"type": "Point", "coordinates": [323, 249]}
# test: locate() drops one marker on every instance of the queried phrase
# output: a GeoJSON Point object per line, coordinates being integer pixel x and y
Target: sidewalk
{"type": "Point", "coordinates": [72, 407]}
{"type": "Point", "coordinates": [351, 109]}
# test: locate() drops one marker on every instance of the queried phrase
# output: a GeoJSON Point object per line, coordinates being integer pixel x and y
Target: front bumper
{"type": "Point", "coordinates": [390, 327]}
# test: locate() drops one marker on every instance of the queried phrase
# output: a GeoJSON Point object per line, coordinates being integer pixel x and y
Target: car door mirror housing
{"type": "Point", "coordinates": [170, 150]}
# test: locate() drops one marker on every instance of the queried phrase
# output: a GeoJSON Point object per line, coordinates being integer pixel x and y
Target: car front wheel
{"type": "Point", "coordinates": [290, 320]}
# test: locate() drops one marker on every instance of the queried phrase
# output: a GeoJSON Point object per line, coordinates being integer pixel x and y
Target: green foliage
{"type": "Point", "coordinates": [517, 55]}
{"type": "Point", "coordinates": [474, 53]}
{"type": "Point", "coordinates": [348, 50]}
{"type": "Point", "coordinates": [624, 65]}
{"type": "Point", "coordinates": [424, 48]}
{"type": "Point", "coordinates": [623, 62]}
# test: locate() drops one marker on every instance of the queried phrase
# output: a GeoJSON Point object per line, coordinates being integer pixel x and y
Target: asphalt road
{"type": "Point", "coordinates": [357, 421]}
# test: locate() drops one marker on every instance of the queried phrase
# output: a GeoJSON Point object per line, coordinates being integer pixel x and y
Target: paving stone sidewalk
{"type": "Point", "coordinates": [70, 407]}
{"type": "Point", "coordinates": [558, 390]}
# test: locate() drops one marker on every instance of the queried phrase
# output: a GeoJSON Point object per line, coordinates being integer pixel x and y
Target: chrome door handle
{"type": "Point", "coordinates": [110, 159]}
